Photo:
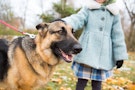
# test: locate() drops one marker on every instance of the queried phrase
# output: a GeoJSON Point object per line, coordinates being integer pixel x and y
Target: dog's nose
{"type": "Point", "coordinates": [77, 48]}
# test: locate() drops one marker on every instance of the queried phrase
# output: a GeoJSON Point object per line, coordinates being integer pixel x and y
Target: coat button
{"type": "Point", "coordinates": [102, 18]}
{"type": "Point", "coordinates": [101, 29]}
{"type": "Point", "coordinates": [103, 9]}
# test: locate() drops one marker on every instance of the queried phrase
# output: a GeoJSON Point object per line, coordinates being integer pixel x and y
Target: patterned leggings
{"type": "Point", "coordinates": [96, 85]}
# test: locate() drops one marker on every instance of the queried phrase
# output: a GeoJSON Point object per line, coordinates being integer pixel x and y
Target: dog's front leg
{"type": "Point", "coordinates": [12, 79]}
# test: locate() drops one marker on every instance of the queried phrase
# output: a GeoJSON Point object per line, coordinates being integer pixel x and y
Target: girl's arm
{"type": "Point", "coordinates": [118, 42]}
{"type": "Point", "coordinates": [77, 20]}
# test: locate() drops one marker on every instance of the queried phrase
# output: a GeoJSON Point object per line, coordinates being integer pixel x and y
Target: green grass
{"type": "Point", "coordinates": [7, 31]}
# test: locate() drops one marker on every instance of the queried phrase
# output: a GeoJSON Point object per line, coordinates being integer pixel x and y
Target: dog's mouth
{"type": "Point", "coordinates": [67, 57]}
{"type": "Point", "coordinates": [65, 51]}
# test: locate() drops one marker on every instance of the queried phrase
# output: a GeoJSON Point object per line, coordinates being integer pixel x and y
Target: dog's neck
{"type": "Point", "coordinates": [39, 66]}
{"type": "Point", "coordinates": [45, 51]}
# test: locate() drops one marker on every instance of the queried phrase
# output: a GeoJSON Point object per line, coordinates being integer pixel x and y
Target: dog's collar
{"type": "Point", "coordinates": [113, 8]}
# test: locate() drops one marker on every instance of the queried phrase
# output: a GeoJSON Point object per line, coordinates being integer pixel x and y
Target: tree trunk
{"type": "Point", "coordinates": [131, 36]}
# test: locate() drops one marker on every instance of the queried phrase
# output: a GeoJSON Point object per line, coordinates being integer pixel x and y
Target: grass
{"type": "Point", "coordinates": [7, 31]}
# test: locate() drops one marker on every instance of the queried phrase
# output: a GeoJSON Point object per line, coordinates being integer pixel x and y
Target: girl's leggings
{"type": "Point", "coordinates": [81, 84]}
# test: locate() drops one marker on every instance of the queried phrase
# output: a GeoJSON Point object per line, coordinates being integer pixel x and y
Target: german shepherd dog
{"type": "Point", "coordinates": [31, 62]}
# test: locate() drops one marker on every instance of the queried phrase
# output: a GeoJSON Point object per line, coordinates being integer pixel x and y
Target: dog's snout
{"type": "Point", "coordinates": [77, 48]}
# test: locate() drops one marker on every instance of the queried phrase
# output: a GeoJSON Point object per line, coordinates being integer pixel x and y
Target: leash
{"type": "Point", "coordinates": [15, 29]}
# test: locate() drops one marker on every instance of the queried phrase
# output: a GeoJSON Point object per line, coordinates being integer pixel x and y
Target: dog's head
{"type": "Point", "coordinates": [57, 37]}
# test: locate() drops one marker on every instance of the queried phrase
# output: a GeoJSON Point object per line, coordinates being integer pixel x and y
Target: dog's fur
{"type": "Point", "coordinates": [3, 58]}
{"type": "Point", "coordinates": [32, 61]}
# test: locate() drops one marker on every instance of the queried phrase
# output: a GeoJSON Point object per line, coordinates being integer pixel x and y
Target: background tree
{"type": "Point", "coordinates": [46, 17]}
{"type": "Point", "coordinates": [24, 13]}
{"type": "Point", "coordinates": [130, 7]}
{"type": "Point", "coordinates": [6, 13]}
{"type": "Point", "coordinates": [63, 9]}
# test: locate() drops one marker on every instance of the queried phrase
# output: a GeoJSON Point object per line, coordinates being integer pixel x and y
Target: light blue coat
{"type": "Point", "coordinates": [102, 39]}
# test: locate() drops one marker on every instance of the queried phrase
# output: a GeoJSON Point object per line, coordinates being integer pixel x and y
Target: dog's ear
{"type": "Point", "coordinates": [42, 28]}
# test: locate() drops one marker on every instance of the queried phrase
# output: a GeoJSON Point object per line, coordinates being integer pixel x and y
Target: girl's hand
{"type": "Point", "coordinates": [119, 64]}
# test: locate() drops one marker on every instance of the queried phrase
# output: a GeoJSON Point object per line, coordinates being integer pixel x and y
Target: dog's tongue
{"type": "Point", "coordinates": [67, 57]}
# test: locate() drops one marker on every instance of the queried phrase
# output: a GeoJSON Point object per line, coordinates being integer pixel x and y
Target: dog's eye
{"type": "Point", "coordinates": [61, 31]}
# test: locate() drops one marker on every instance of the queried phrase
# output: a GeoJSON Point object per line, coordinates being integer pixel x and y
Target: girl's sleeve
{"type": "Point", "coordinates": [118, 40]}
{"type": "Point", "coordinates": [77, 20]}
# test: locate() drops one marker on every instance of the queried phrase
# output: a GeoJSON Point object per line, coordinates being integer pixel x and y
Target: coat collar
{"type": "Point", "coordinates": [111, 7]}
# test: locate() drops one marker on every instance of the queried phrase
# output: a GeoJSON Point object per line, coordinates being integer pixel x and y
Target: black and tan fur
{"type": "Point", "coordinates": [32, 61]}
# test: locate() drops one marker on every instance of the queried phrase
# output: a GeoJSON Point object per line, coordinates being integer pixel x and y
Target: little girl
{"type": "Point", "coordinates": [102, 40]}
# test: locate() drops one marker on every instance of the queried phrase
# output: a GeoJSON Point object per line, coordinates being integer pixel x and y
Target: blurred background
{"type": "Point", "coordinates": [26, 14]}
